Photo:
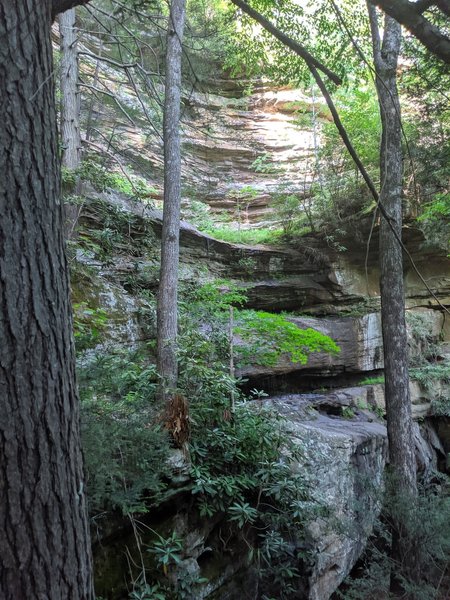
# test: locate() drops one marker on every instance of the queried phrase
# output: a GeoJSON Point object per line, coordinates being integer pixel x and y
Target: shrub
{"type": "Point", "coordinates": [427, 529]}
{"type": "Point", "coordinates": [269, 336]}
{"type": "Point", "coordinates": [125, 448]}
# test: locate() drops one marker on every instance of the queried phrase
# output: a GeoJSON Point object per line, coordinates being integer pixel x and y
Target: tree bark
{"type": "Point", "coordinates": [395, 344]}
{"type": "Point", "coordinates": [70, 108]}
{"type": "Point", "coordinates": [70, 98]}
{"type": "Point", "coordinates": [44, 545]}
{"type": "Point", "coordinates": [167, 318]}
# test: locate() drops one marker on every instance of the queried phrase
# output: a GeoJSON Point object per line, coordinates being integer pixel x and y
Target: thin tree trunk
{"type": "Point", "coordinates": [44, 542]}
{"type": "Point", "coordinates": [70, 108]}
{"type": "Point", "coordinates": [70, 98]}
{"type": "Point", "coordinates": [92, 103]}
{"type": "Point", "coordinates": [398, 403]}
{"type": "Point", "coordinates": [167, 318]}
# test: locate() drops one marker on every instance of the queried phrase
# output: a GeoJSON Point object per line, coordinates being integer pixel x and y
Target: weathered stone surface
{"type": "Point", "coordinates": [262, 125]}
{"type": "Point", "coordinates": [347, 460]}
{"type": "Point", "coordinates": [358, 338]}
{"type": "Point", "coordinates": [224, 134]}
{"type": "Point", "coordinates": [346, 457]}
{"type": "Point", "coordinates": [361, 344]}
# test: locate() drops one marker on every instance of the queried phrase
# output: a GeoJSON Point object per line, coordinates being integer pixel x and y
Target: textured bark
{"type": "Point", "coordinates": [395, 344]}
{"type": "Point", "coordinates": [409, 14]}
{"type": "Point", "coordinates": [44, 544]}
{"type": "Point", "coordinates": [70, 98]}
{"type": "Point", "coordinates": [398, 404]}
{"type": "Point", "coordinates": [70, 108]}
{"type": "Point", "coordinates": [167, 321]}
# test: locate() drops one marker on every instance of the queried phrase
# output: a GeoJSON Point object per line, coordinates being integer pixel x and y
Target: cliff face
{"type": "Point", "coordinates": [243, 150]}
{"type": "Point", "coordinates": [239, 150]}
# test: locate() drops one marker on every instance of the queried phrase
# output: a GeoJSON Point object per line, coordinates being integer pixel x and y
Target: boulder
{"type": "Point", "coordinates": [347, 460]}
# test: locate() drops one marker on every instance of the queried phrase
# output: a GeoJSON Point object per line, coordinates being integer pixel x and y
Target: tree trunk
{"type": "Point", "coordinates": [44, 544]}
{"type": "Point", "coordinates": [167, 320]}
{"type": "Point", "coordinates": [70, 98]}
{"type": "Point", "coordinates": [70, 108]}
{"type": "Point", "coordinates": [398, 404]}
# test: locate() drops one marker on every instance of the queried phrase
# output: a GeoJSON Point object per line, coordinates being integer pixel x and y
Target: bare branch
{"type": "Point", "coordinates": [107, 60]}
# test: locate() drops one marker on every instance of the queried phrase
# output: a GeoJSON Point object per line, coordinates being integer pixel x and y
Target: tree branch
{"type": "Point", "coordinates": [423, 5]}
{"type": "Point", "coordinates": [59, 6]}
{"type": "Point", "coordinates": [410, 16]}
{"type": "Point", "coordinates": [375, 32]}
{"type": "Point", "coordinates": [286, 40]}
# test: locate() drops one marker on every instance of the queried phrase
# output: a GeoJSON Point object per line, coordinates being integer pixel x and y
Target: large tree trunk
{"type": "Point", "coordinates": [70, 108]}
{"type": "Point", "coordinates": [395, 344]}
{"type": "Point", "coordinates": [170, 241]}
{"type": "Point", "coordinates": [44, 541]}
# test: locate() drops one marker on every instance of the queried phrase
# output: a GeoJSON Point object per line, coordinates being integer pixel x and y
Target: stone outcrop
{"type": "Point", "coordinates": [227, 135]}
{"type": "Point", "coordinates": [225, 132]}
{"type": "Point", "coordinates": [359, 339]}
{"type": "Point", "coordinates": [347, 460]}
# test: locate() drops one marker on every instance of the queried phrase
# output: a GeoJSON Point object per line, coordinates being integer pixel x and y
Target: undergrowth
{"type": "Point", "coordinates": [244, 466]}
{"type": "Point", "coordinates": [427, 528]}
{"type": "Point", "coordinates": [245, 236]}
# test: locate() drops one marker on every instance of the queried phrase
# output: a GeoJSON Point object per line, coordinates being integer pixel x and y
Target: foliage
{"type": "Point", "coordinates": [167, 550]}
{"type": "Point", "coordinates": [246, 265]}
{"type": "Point", "coordinates": [217, 296]}
{"type": "Point", "coordinates": [422, 342]}
{"type": "Point", "coordinates": [88, 325]}
{"type": "Point", "coordinates": [372, 380]}
{"type": "Point", "coordinates": [291, 211]}
{"type": "Point", "coordinates": [435, 377]}
{"type": "Point", "coordinates": [428, 531]}
{"type": "Point", "coordinates": [125, 449]}
{"type": "Point", "coordinates": [424, 85]}
{"type": "Point", "coordinates": [260, 235]}
{"type": "Point", "coordinates": [348, 412]}
{"type": "Point", "coordinates": [242, 459]}
{"type": "Point", "coordinates": [210, 32]}
{"type": "Point", "coordinates": [198, 213]}
{"type": "Point", "coordinates": [435, 220]}
{"type": "Point", "coordinates": [270, 336]}
{"type": "Point", "coordinates": [427, 365]}
{"type": "Point", "coordinates": [242, 465]}
{"type": "Point", "coordinates": [264, 164]}
{"type": "Point", "coordinates": [310, 23]}
{"type": "Point", "coordinates": [102, 178]}
{"type": "Point", "coordinates": [340, 196]}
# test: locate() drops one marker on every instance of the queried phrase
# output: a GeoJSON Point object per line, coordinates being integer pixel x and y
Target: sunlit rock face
{"type": "Point", "coordinates": [244, 150]}
{"type": "Point", "coordinates": [359, 339]}
{"type": "Point", "coordinates": [360, 345]}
